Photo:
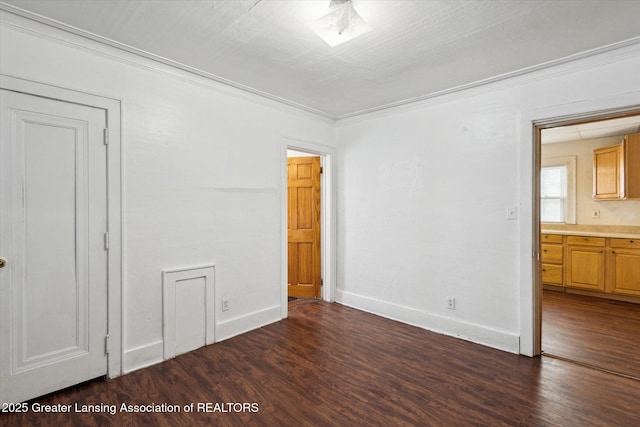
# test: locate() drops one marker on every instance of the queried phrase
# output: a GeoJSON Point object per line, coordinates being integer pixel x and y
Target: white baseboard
{"type": "Point", "coordinates": [433, 322]}
{"type": "Point", "coordinates": [239, 325]}
{"type": "Point", "coordinates": [143, 356]}
{"type": "Point", "coordinates": [151, 354]}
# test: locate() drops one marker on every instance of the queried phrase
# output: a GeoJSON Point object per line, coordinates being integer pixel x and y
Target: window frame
{"type": "Point", "coordinates": [569, 163]}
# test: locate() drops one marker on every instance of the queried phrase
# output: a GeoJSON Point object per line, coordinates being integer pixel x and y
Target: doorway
{"type": "Point", "coordinates": [55, 194]}
{"type": "Point", "coordinates": [582, 316]}
{"type": "Point", "coordinates": [60, 306]}
{"type": "Point", "coordinates": [304, 226]}
{"type": "Point", "coordinates": [327, 220]}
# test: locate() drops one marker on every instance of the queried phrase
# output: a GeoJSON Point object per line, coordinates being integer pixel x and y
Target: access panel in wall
{"type": "Point", "coordinates": [189, 309]}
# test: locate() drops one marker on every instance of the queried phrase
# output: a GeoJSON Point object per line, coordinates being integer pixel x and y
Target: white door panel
{"type": "Point", "coordinates": [53, 216]}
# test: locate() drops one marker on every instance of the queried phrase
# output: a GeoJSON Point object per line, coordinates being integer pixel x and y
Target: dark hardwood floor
{"type": "Point", "coordinates": [594, 331]}
{"type": "Point", "coordinates": [330, 365]}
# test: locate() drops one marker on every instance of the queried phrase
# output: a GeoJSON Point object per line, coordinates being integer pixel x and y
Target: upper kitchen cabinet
{"type": "Point", "coordinates": [616, 170]}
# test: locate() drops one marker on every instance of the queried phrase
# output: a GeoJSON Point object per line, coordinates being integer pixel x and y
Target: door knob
{"type": "Point", "coordinates": [2, 262]}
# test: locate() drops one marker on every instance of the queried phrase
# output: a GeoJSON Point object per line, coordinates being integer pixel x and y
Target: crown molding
{"type": "Point", "coordinates": [156, 58]}
{"type": "Point", "coordinates": [557, 66]}
{"type": "Point", "coordinates": [573, 62]}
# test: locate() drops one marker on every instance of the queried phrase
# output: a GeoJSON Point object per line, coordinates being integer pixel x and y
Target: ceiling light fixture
{"type": "Point", "coordinates": [341, 24]}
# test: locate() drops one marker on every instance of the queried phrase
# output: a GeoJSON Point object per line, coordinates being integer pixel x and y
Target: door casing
{"type": "Point", "coordinates": [328, 217]}
{"type": "Point", "coordinates": [54, 296]}
{"type": "Point", "coordinates": [531, 291]}
{"type": "Point", "coordinates": [112, 107]}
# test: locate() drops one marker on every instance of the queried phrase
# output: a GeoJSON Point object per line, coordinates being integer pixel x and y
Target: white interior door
{"type": "Point", "coordinates": [53, 219]}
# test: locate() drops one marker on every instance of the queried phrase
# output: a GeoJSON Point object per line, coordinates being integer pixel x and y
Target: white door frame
{"type": "Point", "coordinates": [532, 122]}
{"type": "Point", "coordinates": [112, 108]}
{"type": "Point", "coordinates": [327, 217]}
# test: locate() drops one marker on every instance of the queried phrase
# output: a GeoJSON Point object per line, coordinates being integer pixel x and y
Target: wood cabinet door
{"type": "Point", "coordinates": [608, 173]}
{"type": "Point", "coordinates": [632, 166]}
{"type": "Point", "coordinates": [624, 265]}
{"type": "Point", "coordinates": [585, 267]}
{"type": "Point", "coordinates": [303, 182]}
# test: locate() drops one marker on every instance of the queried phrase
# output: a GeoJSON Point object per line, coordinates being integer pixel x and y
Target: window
{"type": "Point", "coordinates": [557, 190]}
{"type": "Point", "coordinates": [553, 194]}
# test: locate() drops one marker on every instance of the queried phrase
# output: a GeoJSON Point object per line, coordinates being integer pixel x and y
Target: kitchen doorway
{"type": "Point", "coordinates": [587, 290]}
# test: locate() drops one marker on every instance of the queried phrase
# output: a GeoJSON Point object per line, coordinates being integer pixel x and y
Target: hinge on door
{"type": "Point", "coordinates": [106, 136]}
{"type": "Point", "coordinates": [321, 169]}
{"type": "Point", "coordinates": [106, 240]}
{"type": "Point", "coordinates": [321, 281]}
{"type": "Point", "coordinates": [106, 344]}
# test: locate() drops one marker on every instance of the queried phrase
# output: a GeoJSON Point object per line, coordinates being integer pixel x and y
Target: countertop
{"type": "Point", "coordinates": [615, 231]}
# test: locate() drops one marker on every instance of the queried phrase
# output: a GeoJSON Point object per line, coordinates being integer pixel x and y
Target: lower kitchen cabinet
{"type": "Point", "coordinates": [585, 267]}
{"type": "Point", "coordinates": [624, 267]}
{"type": "Point", "coordinates": [599, 264]}
{"type": "Point", "coordinates": [552, 259]}
{"type": "Point", "coordinates": [552, 274]}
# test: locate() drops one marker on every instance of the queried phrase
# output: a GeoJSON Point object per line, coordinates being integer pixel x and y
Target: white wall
{"type": "Point", "coordinates": [626, 212]}
{"type": "Point", "coordinates": [424, 192]}
{"type": "Point", "coordinates": [201, 168]}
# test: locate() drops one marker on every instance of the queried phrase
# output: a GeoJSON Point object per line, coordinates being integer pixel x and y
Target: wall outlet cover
{"type": "Point", "coordinates": [451, 303]}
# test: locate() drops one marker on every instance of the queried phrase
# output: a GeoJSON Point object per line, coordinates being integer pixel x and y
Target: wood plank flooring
{"type": "Point", "coordinates": [330, 365]}
{"type": "Point", "coordinates": [594, 331]}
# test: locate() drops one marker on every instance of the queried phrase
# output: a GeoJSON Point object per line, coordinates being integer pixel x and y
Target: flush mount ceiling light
{"type": "Point", "coordinates": [341, 24]}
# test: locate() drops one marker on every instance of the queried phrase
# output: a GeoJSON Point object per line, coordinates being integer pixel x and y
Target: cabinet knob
{"type": "Point", "coordinates": [630, 241]}
{"type": "Point", "coordinates": [586, 239]}
{"type": "Point", "coordinates": [544, 250]}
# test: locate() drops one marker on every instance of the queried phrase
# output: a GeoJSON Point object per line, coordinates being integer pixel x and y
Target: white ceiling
{"type": "Point", "coordinates": [600, 129]}
{"type": "Point", "coordinates": [417, 47]}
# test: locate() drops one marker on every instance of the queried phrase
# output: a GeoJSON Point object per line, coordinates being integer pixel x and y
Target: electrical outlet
{"type": "Point", "coordinates": [225, 305]}
{"type": "Point", "coordinates": [451, 303]}
{"type": "Point", "coordinates": [595, 214]}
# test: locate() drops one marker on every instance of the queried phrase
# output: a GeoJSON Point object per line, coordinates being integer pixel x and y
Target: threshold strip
{"type": "Point", "coordinates": [587, 365]}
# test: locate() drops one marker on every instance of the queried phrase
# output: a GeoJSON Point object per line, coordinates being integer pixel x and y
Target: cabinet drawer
{"type": "Point", "coordinates": [625, 243]}
{"type": "Point", "coordinates": [552, 254]}
{"type": "Point", "coordinates": [551, 238]}
{"type": "Point", "coordinates": [552, 274]}
{"type": "Point", "coordinates": [585, 241]}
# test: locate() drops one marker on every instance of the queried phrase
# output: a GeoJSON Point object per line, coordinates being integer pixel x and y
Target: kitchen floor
{"type": "Point", "coordinates": [593, 331]}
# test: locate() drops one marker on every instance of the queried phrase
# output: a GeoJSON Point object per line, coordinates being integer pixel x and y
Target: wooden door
{"type": "Point", "coordinates": [303, 182]}
{"type": "Point", "coordinates": [53, 200]}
